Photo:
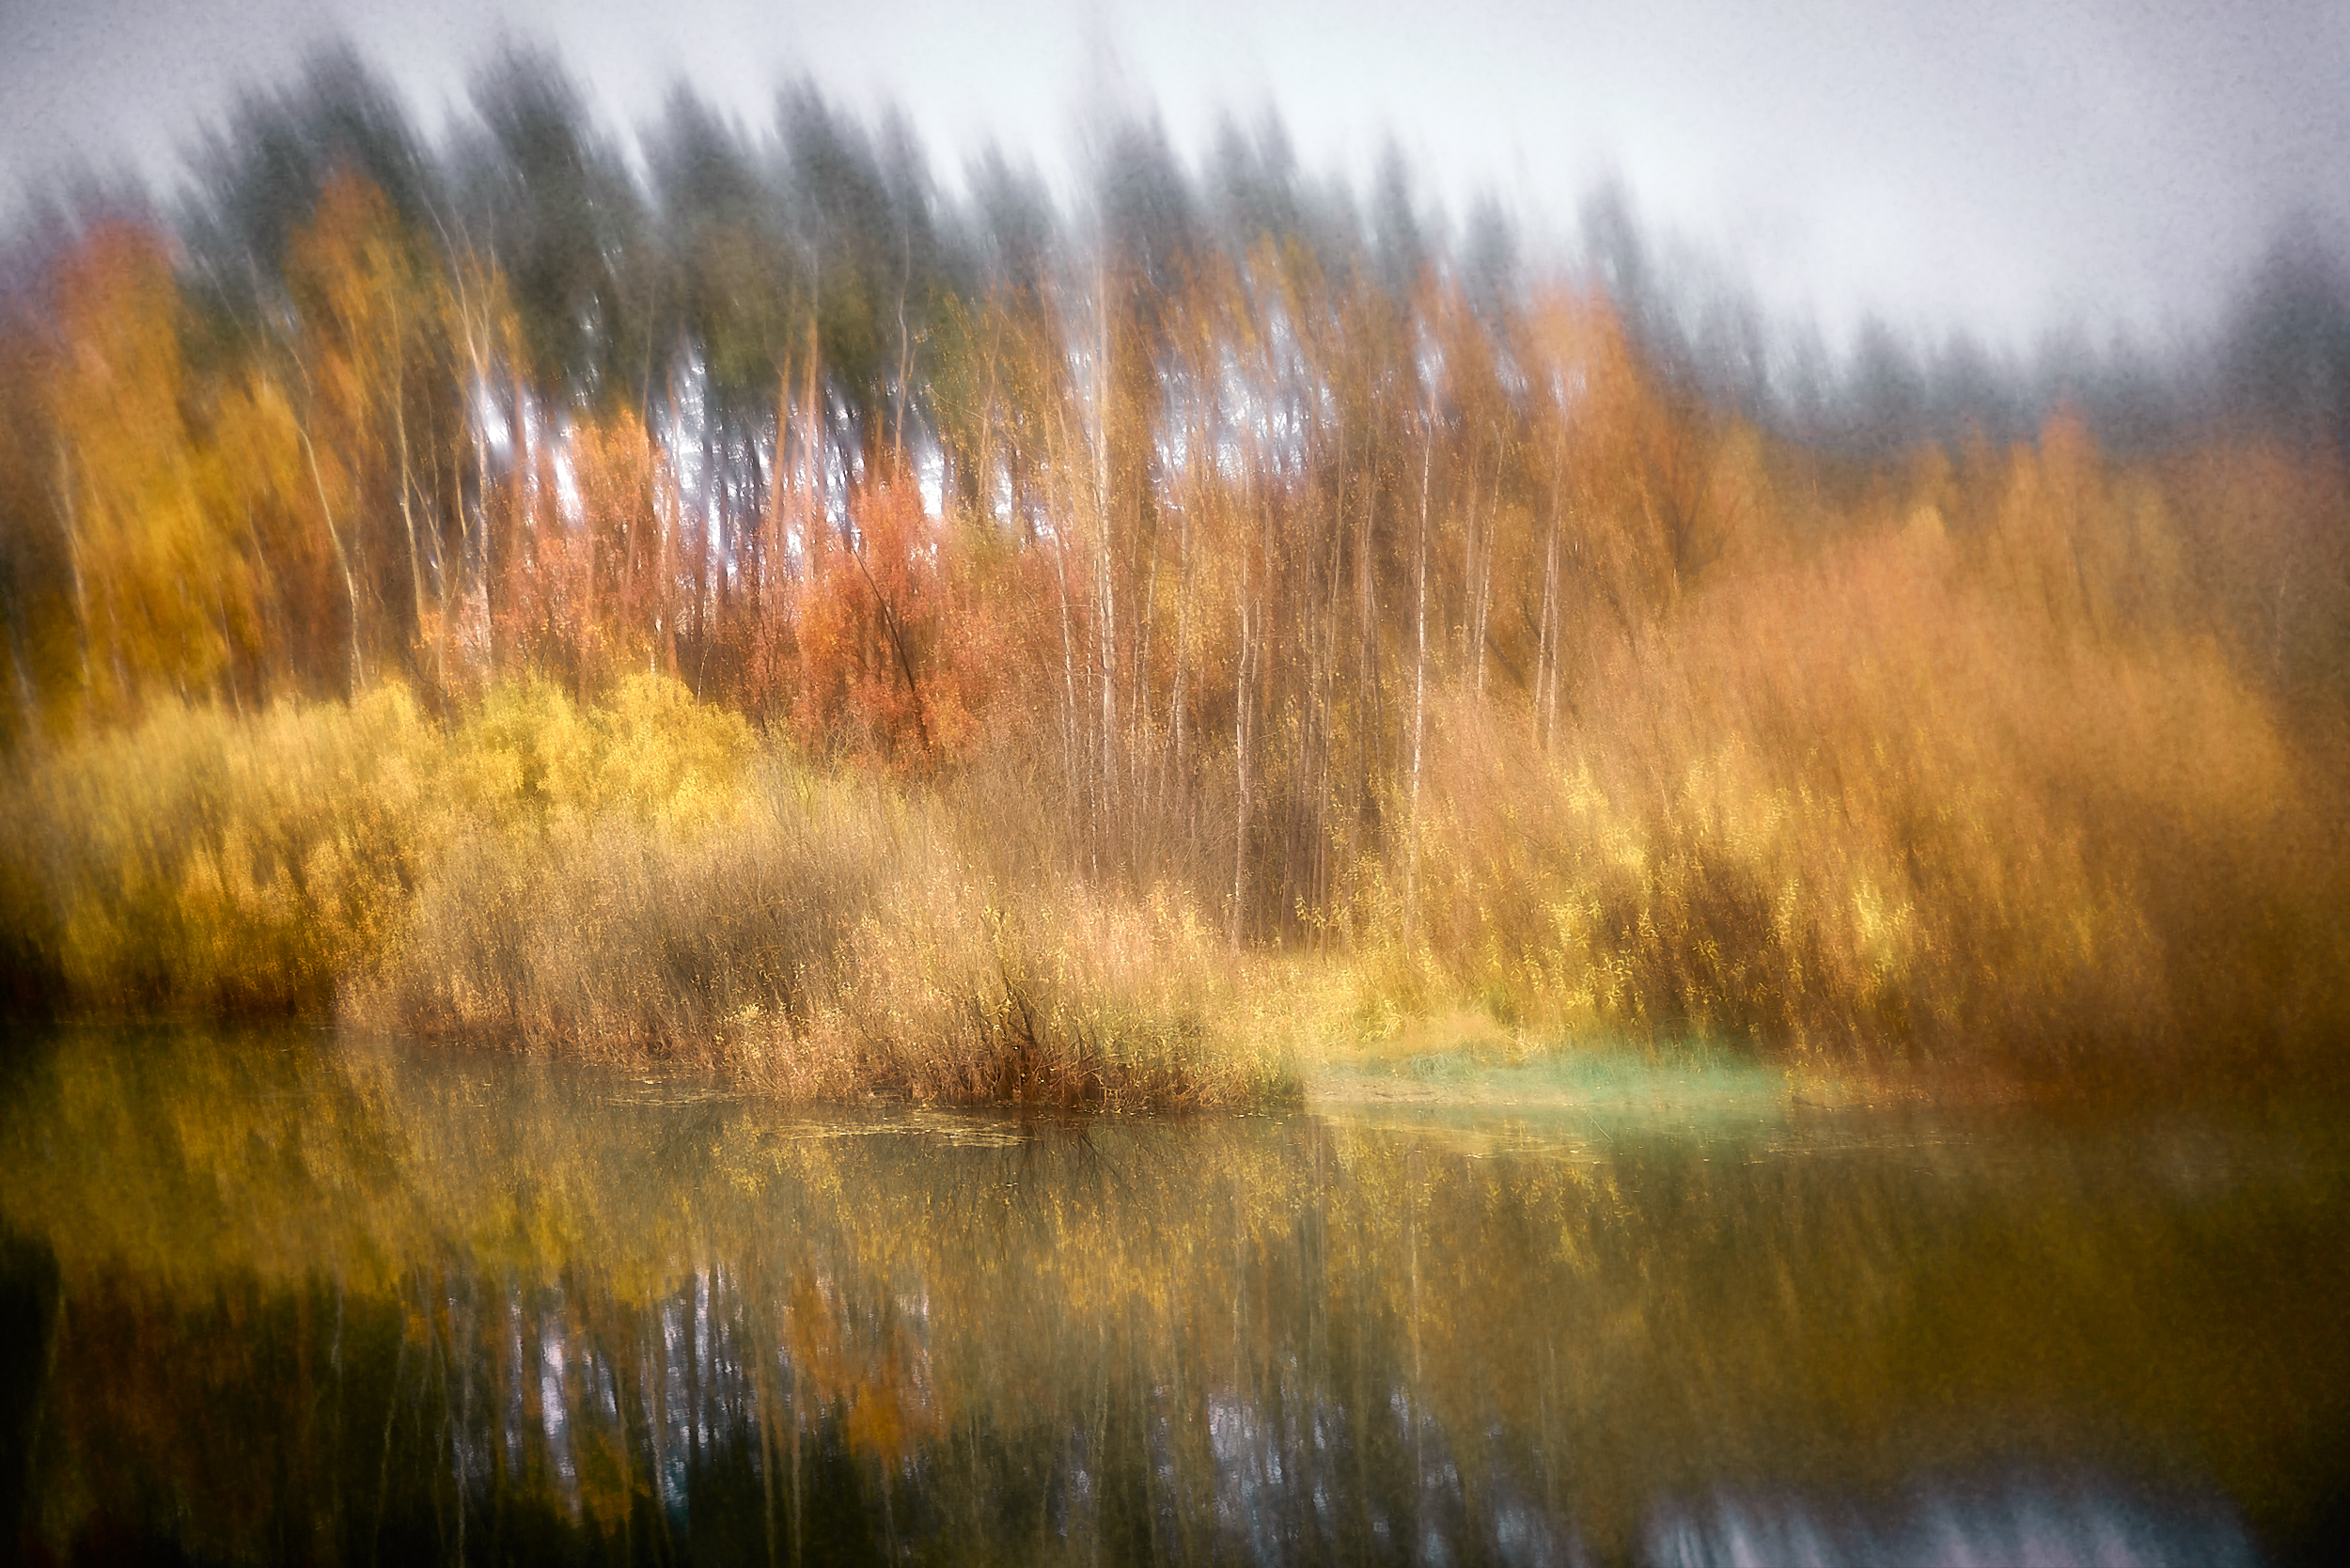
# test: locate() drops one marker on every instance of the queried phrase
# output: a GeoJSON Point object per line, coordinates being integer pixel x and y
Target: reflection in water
{"type": "Point", "coordinates": [369, 1303]}
{"type": "Point", "coordinates": [2018, 1521]}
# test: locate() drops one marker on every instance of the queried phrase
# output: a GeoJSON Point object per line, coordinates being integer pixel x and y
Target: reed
{"type": "Point", "coordinates": [1876, 807]}
{"type": "Point", "coordinates": [828, 936]}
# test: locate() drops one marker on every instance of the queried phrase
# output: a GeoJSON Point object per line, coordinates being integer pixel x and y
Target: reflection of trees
{"type": "Point", "coordinates": [432, 1308]}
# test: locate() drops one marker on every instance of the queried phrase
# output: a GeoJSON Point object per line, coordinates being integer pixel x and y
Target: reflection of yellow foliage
{"type": "Point", "coordinates": [921, 1284]}
{"type": "Point", "coordinates": [874, 1371]}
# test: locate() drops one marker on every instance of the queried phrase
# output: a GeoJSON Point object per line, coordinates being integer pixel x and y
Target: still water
{"type": "Point", "coordinates": [277, 1296]}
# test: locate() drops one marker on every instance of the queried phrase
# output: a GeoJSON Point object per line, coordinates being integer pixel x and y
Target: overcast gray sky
{"type": "Point", "coordinates": [2003, 166]}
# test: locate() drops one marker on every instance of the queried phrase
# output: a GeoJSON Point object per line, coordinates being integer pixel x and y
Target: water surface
{"type": "Point", "coordinates": [276, 1296]}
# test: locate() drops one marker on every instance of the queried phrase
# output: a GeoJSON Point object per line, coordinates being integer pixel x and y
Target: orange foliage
{"type": "Point", "coordinates": [894, 650]}
{"type": "Point", "coordinates": [1606, 441]}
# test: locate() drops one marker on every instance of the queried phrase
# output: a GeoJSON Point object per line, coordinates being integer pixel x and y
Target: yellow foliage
{"type": "Point", "coordinates": [159, 592]}
{"type": "Point", "coordinates": [199, 859]}
{"type": "Point", "coordinates": [1884, 802]}
{"type": "Point", "coordinates": [529, 756]}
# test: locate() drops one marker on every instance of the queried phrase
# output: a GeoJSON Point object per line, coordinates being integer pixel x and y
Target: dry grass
{"type": "Point", "coordinates": [829, 936]}
{"type": "Point", "coordinates": [635, 881]}
{"type": "Point", "coordinates": [1878, 807]}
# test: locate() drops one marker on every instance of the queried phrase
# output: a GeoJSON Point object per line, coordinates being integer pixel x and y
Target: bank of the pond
{"type": "Point", "coordinates": [645, 880]}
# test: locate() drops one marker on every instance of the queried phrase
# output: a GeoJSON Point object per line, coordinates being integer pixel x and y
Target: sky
{"type": "Point", "coordinates": [2000, 167]}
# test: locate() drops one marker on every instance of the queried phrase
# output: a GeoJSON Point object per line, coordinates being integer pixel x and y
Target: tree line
{"type": "Point", "coordinates": [1192, 503]}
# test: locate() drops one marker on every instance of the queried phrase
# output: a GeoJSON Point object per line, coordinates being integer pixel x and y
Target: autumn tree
{"type": "Point", "coordinates": [159, 591]}
{"type": "Point", "coordinates": [381, 400]}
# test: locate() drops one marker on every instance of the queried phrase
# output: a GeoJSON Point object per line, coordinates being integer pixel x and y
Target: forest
{"type": "Point", "coordinates": [709, 597]}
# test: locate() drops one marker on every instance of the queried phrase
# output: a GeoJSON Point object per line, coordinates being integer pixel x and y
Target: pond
{"type": "Point", "coordinates": [275, 1296]}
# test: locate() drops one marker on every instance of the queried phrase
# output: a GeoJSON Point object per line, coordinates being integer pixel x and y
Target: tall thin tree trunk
{"type": "Point", "coordinates": [440, 564]}
{"type": "Point", "coordinates": [70, 516]}
{"type": "Point", "coordinates": [1182, 643]}
{"type": "Point", "coordinates": [1325, 687]}
{"type": "Point", "coordinates": [334, 535]}
{"type": "Point", "coordinates": [1546, 641]}
{"type": "Point", "coordinates": [1108, 637]}
{"type": "Point", "coordinates": [1070, 711]}
{"type": "Point", "coordinates": [1138, 687]}
{"type": "Point", "coordinates": [503, 570]}
{"type": "Point", "coordinates": [1419, 688]}
{"type": "Point", "coordinates": [1485, 586]}
{"type": "Point", "coordinates": [666, 503]}
{"type": "Point", "coordinates": [1080, 779]}
{"type": "Point", "coordinates": [1369, 727]}
{"type": "Point", "coordinates": [1241, 706]}
{"type": "Point", "coordinates": [702, 548]}
{"type": "Point", "coordinates": [407, 472]}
